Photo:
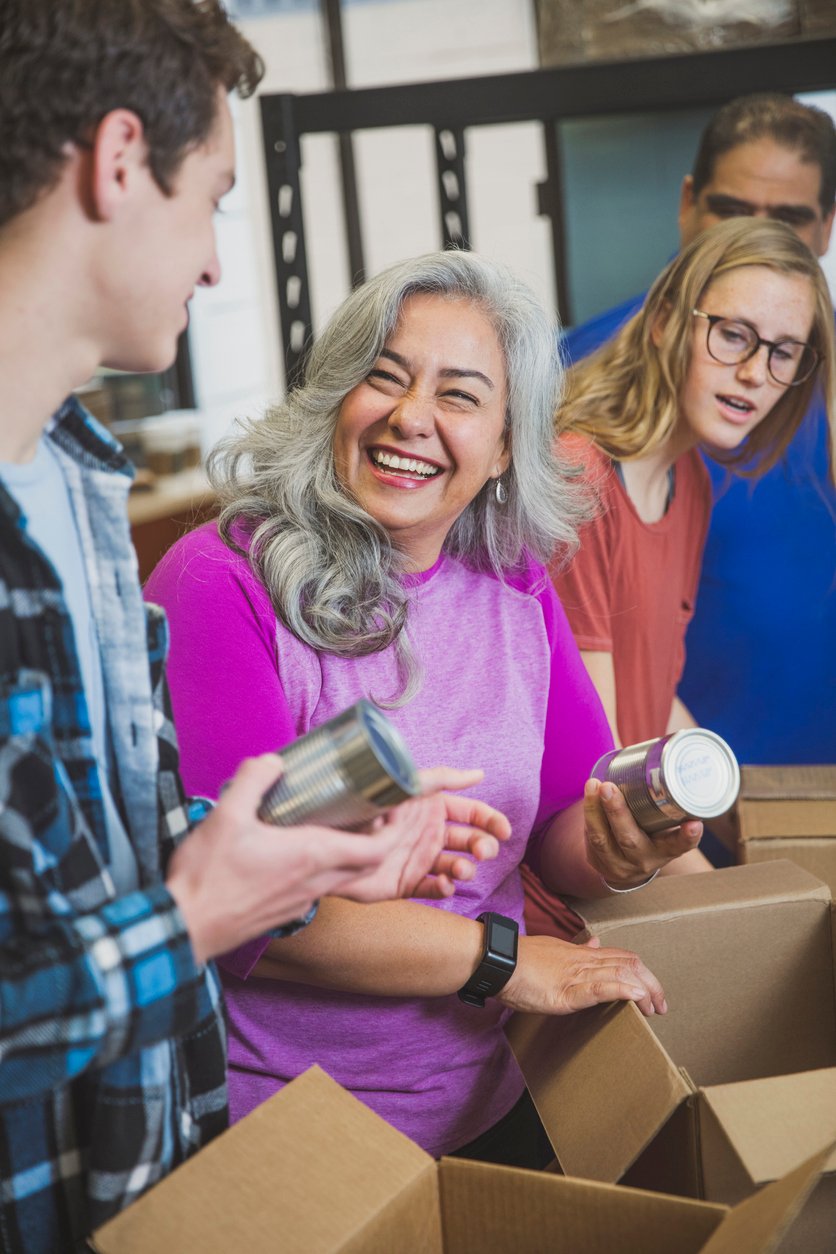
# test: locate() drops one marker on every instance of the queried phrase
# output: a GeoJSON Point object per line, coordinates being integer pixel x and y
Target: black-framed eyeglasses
{"type": "Point", "coordinates": [789, 362]}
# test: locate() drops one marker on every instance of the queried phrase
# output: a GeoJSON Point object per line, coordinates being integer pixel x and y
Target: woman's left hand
{"type": "Point", "coordinates": [618, 849]}
{"type": "Point", "coordinates": [435, 840]}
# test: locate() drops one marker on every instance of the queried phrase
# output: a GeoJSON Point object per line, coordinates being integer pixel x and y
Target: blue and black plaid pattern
{"type": "Point", "coordinates": [112, 1049]}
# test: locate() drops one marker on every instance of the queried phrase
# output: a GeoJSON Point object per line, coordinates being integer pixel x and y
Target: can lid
{"type": "Point", "coordinates": [701, 772]}
{"type": "Point", "coordinates": [380, 764]}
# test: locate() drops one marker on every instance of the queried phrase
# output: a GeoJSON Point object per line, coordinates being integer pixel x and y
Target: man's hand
{"type": "Point", "coordinates": [618, 849]}
{"type": "Point", "coordinates": [555, 977]}
{"type": "Point", "coordinates": [235, 878]}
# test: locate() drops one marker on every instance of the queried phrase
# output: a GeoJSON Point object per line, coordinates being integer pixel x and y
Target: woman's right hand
{"type": "Point", "coordinates": [432, 842]}
{"type": "Point", "coordinates": [622, 853]}
{"type": "Point", "coordinates": [554, 977]}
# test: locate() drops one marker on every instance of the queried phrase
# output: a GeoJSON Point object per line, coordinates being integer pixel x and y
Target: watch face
{"type": "Point", "coordinates": [503, 939]}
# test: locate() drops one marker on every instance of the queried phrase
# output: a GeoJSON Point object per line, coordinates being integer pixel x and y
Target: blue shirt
{"type": "Point", "coordinates": [761, 649]}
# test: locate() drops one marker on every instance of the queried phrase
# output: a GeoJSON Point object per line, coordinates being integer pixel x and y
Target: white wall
{"type": "Point", "coordinates": [229, 346]}
{"type": "Point", "coordinates": [235, 334]}
{"type": "Point", "coordinates": [235, 331]}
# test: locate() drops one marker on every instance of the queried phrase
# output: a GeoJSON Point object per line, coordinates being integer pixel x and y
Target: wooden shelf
{"type": "Point", "coordinates": [171, 494]}
{"type": "Point", "coordinates": [161, 514]}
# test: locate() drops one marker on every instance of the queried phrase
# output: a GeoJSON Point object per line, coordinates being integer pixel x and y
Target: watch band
{"type": "Point", "coordinates": [498, 962]}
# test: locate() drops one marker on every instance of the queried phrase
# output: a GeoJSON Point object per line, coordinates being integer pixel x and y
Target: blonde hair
{"type": "Point", "coordinates": [625, 396]}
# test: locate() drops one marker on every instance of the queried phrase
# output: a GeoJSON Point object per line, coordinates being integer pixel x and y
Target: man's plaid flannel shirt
{"type": "Point", "coordinates": [112, 1047]}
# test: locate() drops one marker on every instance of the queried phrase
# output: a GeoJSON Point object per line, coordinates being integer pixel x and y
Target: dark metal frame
{"type": "Point", "coordinates": [332, 13]}
{"type": "Point", "coordinates": [548, 96]}
{"type": "Point", "coordinates": [181, 375]}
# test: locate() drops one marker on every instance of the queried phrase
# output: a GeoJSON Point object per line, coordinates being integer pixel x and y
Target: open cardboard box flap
{"type": "Point", "coordinates": [597, 1124]}
{"type": "Point", "coordinates": [802, 1106]}
{"type": "Point", "coordinates": [763, 1219]}
{"type": "Point", "coordinates": [746, 959]}
{"type": "Point", "coordinates": [754, 1133]}
{"type": "Point", "coordinates": [314, 1171]}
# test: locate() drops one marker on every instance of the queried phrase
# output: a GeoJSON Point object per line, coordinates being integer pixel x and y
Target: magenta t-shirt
{"type": "Point", "coordinates": [503, 688]}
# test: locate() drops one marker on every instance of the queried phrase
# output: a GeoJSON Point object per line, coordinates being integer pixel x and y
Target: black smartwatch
{"type": "Point", "coordinates": [499, 959]}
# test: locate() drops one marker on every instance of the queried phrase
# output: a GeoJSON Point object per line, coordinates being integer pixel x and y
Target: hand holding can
{"type": "Point", "coordinates": [689, 774]}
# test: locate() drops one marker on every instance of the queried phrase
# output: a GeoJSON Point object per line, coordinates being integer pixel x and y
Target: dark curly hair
{"type": "Point", "coordinates": [65, 64]}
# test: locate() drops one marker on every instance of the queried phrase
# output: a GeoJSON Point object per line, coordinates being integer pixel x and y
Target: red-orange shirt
{"type": "Point", "coordinates": [631, 588]}
{"type": "Point", "coordinates": [630, 591]}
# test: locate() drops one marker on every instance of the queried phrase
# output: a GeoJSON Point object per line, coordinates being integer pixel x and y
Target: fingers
{"type": "Point", "coordinates": [611, 826]}
{"type": "Point", "coordinates": [616, 977]}
{"type": "Point", "coordinates": [655, 1001]}
{"type": "Point", "coordinates": [607, 987]}
{"type": "Point", "coordinates": [250, 782]}
{"type": "Point", "coordinates": [556, 977]}
{"type": "Point", "coordinates": [453, 866]}
{"type": "Point", "coordinates": [599, 838]}
{"type": "Point", "coordinates": [619, 850]}
{"type": "Point", "coordinates": [675, 841]}
{"type": "Point", "coordinates": [616, 845]}
{"type": "Point", "coordinates": [443, 778]}
{"type": "Point", "coordinates": [434, 887]}
{"type": "Point", "coordinates": [477, 814]}
{"type": "Point", "coordinates": [610, 816]}
{"type": "Point", "coordinates": [470, 840]}
{"type": "Point", "coordinates": [632, 972]}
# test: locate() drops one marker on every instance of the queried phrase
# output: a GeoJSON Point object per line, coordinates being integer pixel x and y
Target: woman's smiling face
{"type": "Point", "coordinates": [416, 441]}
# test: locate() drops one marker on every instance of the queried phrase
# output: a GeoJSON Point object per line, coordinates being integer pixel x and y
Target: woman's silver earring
{"type": "Point", "coordinates": [501, 492]}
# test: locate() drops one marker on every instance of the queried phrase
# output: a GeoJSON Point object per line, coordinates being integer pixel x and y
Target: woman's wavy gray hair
{"type": "Point", "coordinates": [330, 569]}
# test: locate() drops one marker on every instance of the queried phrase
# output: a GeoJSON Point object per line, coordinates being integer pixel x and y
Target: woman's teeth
{"type": "Point", "coordinates": [413, 465]}
{"type": "Point", "coordinates": [743, 407]}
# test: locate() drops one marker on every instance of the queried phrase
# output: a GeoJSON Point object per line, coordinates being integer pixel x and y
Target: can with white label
{"type": "Point", "coordinates": [689, 774]}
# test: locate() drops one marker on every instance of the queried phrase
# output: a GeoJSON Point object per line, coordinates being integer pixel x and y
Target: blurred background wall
{"type": "Point", "coordinates": [622, 173]}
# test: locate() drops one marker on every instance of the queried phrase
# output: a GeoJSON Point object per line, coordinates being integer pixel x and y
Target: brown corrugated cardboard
{"type": "Point", "coordinates": [490, 1209]}
{"type": "Point", "coordinates": [803, 1105]}
{"type": "Point", "coordinates": [310, 1170]}
{"type": "Point", "coordinates": [788, 812]}
{"type": "Point", "coordinates": [746, 956]}
{"type": "Point", "coordinates": [756, 1131]}
{"type": "Point", "coordinates": [568, 1069]}
{"type": "Point", "coordinates": [765, 1215]}
{"type": "Point", "coordinates": [723, 945]}
{"type": "Point", "coordinates": [315, 1171]}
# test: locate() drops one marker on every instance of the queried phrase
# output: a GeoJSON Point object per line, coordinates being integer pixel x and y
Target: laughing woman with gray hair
{"type": "Point", "coordinates": [382, 535]}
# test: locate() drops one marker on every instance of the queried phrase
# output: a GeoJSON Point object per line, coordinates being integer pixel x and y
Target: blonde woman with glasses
{"type": "Point", "coordinates": [732, 340]}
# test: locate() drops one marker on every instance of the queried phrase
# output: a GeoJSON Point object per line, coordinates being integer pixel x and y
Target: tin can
{"type": "Point", "coordinates": [343, 774]}
{"type": "Point", "coordinates": [689, 774]}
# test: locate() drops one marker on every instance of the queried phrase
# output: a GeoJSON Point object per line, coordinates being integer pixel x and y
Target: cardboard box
{"type": "Point", "coordinates": [737, 1083]}
{"type": "Point", "coordinates": [789, 812]}
{"type": "Point", "coordinates": [313, 1171]}
{"type": "Point", "coordinates": [757, 1131]}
